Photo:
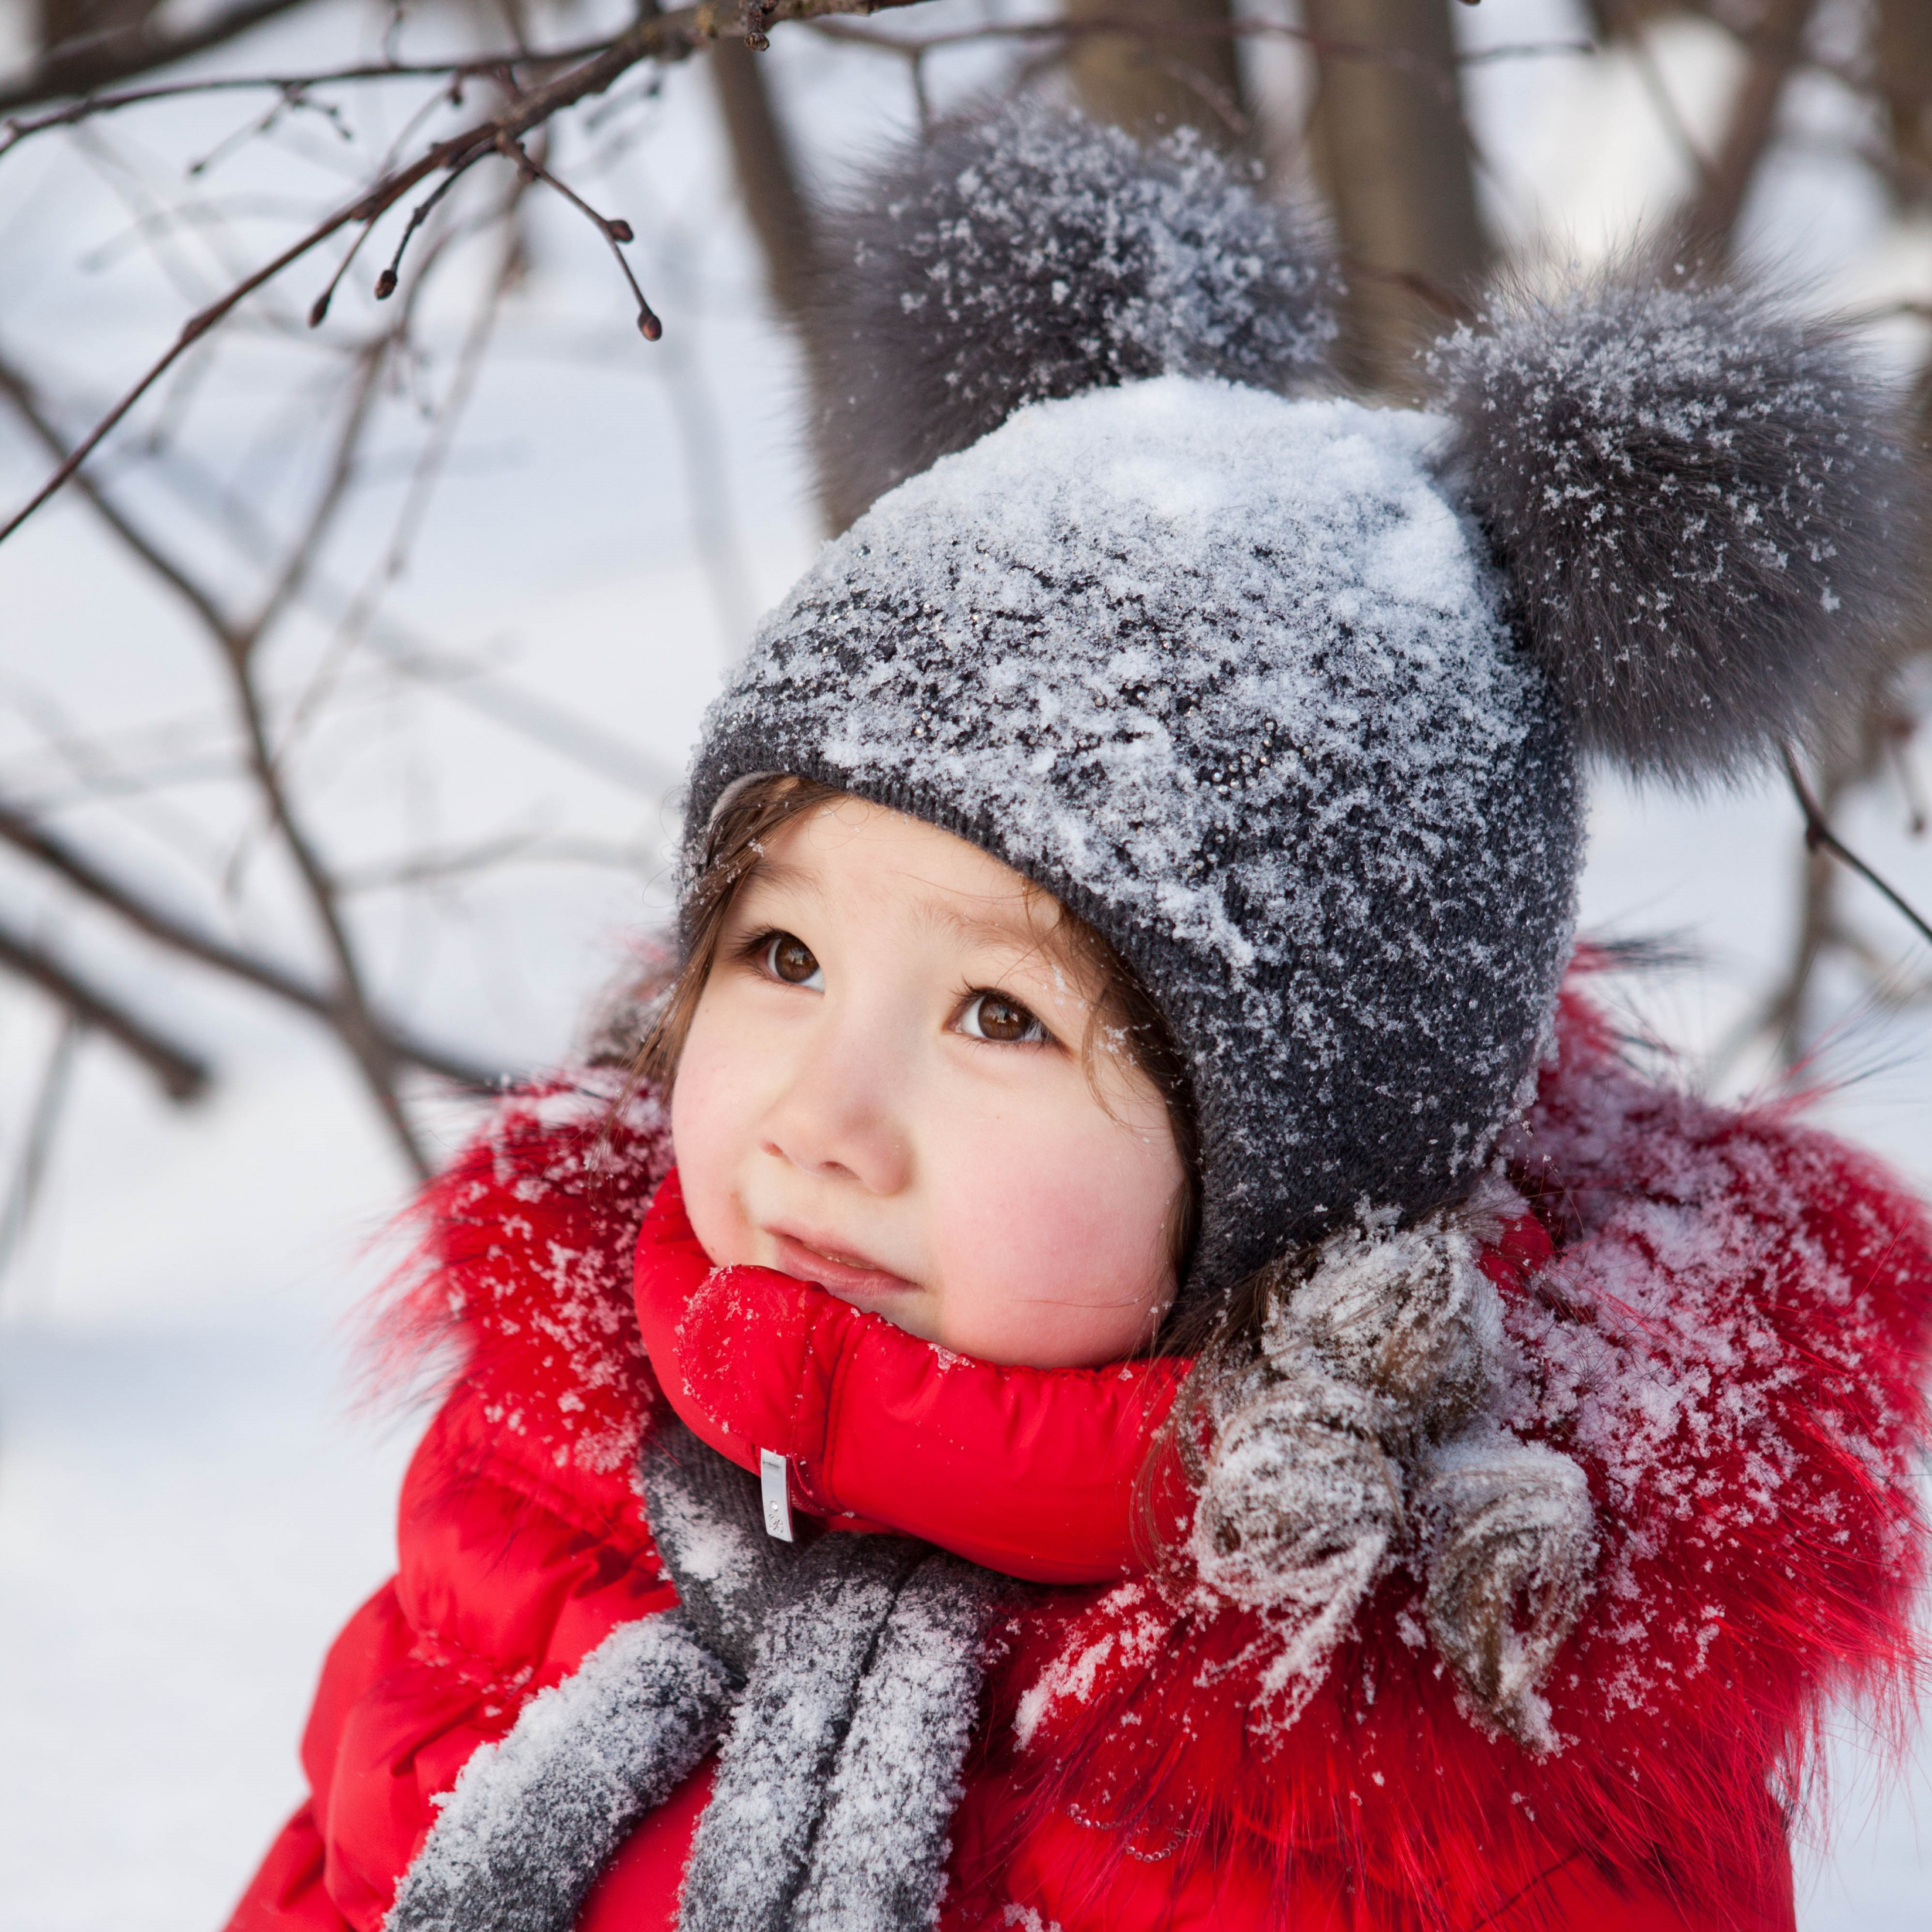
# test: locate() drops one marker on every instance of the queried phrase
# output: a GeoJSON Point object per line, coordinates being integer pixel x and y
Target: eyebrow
{"type": "Point", "coordinates": [994, 928]}
{"type": "Point", "coordinates": [776, 871]}
{"type": "Point", "coordinates": [932, 909]}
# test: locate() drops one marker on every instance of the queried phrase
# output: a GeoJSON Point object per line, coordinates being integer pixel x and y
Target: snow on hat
{"type": "Point", "coordinates": [1284, 694]}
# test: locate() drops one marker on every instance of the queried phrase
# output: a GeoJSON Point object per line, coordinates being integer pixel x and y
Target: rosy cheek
{"type": "Point", "coordinates": [1054, 1246]}
{"type": "Point", "coordinates": [714, 1115]}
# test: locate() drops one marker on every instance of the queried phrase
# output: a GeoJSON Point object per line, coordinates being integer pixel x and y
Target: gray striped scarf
{"type": "Point", "coordinates": [841, 1677]}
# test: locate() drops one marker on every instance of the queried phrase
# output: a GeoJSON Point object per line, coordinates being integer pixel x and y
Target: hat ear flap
{"type": "Point", "coordinates": [1708, 528]}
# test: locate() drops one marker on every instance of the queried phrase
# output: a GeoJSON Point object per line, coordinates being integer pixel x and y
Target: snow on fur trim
{"type": "Point", "coordinates": [1514, 1524]}
{"type": "Point", "coordinates": [1730, 1341]}
{"type": "Point", "coordinates": [1706, 517]}
{"type": "Point", "coordinates": [1359, 1441]}
{"type": "Point", "coordinates": [520, 1279]}
{"type": "Point", "coordinates": [1029, 254]}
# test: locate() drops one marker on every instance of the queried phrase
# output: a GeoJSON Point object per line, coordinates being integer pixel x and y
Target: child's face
{"type": "Point", "coordinates": [882, 1091]}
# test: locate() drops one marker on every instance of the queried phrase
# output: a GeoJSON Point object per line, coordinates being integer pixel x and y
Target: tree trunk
{"type": "Point", "coordinates": [1709, 224]}
{"type": "Point", "coordinates": [1394, 153]}
{"type": "Point", "coordinates": [767, 175]}
{"type": "Point", "coordinates": [780, 212]}
{"type": "Point", "coordinates": [1153, 82]}
{"type": "Point", "coordinates": [1902, 65]}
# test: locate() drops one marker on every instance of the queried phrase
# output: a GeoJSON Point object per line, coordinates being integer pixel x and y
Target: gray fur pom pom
{"type": "Point", "coordinates": [1029, 254]}
{"type": "Point", "coordinates": [1358, 1439]}
{"type": "Point", "coordinates": [1706, 522]}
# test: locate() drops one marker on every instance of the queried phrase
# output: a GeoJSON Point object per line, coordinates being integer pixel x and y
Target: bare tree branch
{"type": "Point", "coordinates": [20, 392]}
{"type": "Point", "coordinates": [23, 1191]}
{"type": "Point", "coordinates": [1819, 836]}
{"type": "Point", "coordinates": [375, 1045]}
{"type": "Point", "coordinates": [93, 61]}
{"type": "Point", "coordinates": [295, 86]}
{"type": "Point", "coordinates": [354, 1019]}
{"type": "Point", "coordinates": [29, 836]}
{"type": "Point", "coordinates": [182, 1073]}
{"type": "Point", "coordinates": [667, 36]}
{"type": "Point", "coordinates": [348, 1008]}
{"type": "Point", "coordinates": [1774, 51]}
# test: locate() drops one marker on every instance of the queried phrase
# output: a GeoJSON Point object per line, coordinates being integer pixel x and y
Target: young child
{"type": "Point", "coordinates": [1176, 1379]}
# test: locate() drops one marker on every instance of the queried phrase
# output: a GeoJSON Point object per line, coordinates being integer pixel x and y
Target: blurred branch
{"type": "Point", "coordinates": [23, 1191]}
{"type": "Point", "coordinates": [182, 1074]}
{"type": "Point", "coordinates": [378, 1053]}
{"type": "Point", "coordinates": [92, 61]}
{"type": "Point", "coordinates": [504, 66]}
{"type": "Point", "coordinates": [1774, 52]}
{"type": "Point", "coordinates": [27, 836]}
{"type": "Point", "coordinates": [432, 868]}
{"type": "Point", "coordinates": [1819, 837]}
{"type": "Point", "coordinates": [1122, 72]}
{"type": "Point", "coordinates": [912, 47]}
{"type": "Point", "coordinates": [1397, 161]}
{"type": "Point", "coordinates": [354, 1019]}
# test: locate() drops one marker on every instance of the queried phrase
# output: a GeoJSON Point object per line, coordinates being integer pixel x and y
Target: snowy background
{"type": "Point", "coordinates": [190, 1499]}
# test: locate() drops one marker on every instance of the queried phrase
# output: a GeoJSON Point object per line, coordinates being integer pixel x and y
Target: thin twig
{"type": "Point", "coordinates": [1139, 27]}
{"type": "Point", "coordinates": [92, 105]}
{"type": "Point", "coordinates": [354, 1019]}
{"type": "Point", "coordinates": [657, 37]}
{"type": "Point", "coordinates": [373, 1045]}
{"type": "Point", "coordinates": [92, 61]}
{"type": "Point", "coordinates": [615, 230]}
{"type": "Point", "coordinates": [513, 849]}
{"type": "Point", "coordinates": [385, 282]}
{"type": "Point", "coordinates": [28, 836]}
{"type": "Point", "coordinates": [1818, 834]}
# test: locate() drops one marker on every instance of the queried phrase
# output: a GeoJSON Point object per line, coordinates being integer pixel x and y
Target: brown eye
{"type": "Point", "coordinates": [789, 958]}
{"type": "Point", "coordinates": [993, 1016]}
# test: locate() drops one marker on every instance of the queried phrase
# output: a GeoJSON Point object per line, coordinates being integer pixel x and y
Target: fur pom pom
{"type": "Point", "coordinates": [1707, 524]}
{"type": "Point", "coordinates": [1359, 1439]}
{"type": "Point", "coordinates": [1029, 255]}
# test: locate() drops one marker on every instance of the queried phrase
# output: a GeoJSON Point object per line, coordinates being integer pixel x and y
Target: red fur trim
{"type": "Point", "coordinates": [525, 1265]}
{"type": "Point", "coordinates": [1731, 1340]}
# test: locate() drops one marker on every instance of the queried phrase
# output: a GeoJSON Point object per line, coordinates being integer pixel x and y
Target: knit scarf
{"type": "Point", "coordinates": [843, 1676]}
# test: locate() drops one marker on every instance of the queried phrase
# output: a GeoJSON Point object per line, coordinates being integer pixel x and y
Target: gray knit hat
{"type": "Point", "coordinates": [1286, 695]}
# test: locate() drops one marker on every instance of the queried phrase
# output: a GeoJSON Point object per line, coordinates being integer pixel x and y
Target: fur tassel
{"type": "Point", "coordinates": [1028, 254]}
{"type": "Point", "coordinates": [1516, 1527]}
{"type": "Point", "coordinates": [1707, 524]}
{"type": "Point", "coordinates": [1360, 1440]}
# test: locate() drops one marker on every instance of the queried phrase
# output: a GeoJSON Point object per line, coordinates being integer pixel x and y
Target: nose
{"type": "Point", "coordinates": [841, 1116]}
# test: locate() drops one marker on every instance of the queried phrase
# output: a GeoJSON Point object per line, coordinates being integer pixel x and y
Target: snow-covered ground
{"type": "Point", "coordinates": [190, 1499]}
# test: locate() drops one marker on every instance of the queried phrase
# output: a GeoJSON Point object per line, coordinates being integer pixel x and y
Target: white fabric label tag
{"type": "Point", "coordinates": [775, 1472]}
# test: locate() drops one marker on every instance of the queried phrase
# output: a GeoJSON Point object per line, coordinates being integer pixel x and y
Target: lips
{"type": "Point", "coordinates": [842, 1272]}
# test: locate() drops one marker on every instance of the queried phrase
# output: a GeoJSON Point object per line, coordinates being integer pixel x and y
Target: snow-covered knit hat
{"type": "Point", "coordinates": [1284, 694]}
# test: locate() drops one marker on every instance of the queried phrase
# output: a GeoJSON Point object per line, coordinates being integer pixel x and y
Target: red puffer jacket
{"type": "Point", "coordinates": [1722, 1317]}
